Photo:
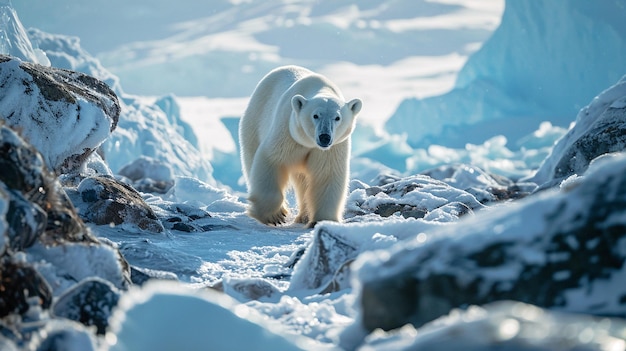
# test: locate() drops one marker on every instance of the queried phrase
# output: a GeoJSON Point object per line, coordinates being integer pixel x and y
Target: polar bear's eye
{"type": "Point", "coordinates": [337, 118]}
{"type": "Point", "coordinates": [316, 116]}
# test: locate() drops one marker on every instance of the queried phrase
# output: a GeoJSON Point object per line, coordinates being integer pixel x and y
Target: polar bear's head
{"type": "Point", "coordinates": [322, 121]}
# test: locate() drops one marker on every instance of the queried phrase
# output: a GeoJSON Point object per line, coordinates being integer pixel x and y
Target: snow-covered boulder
{"type": "Point", "coordinates": [561, 250]}
{"type": "Point", "coordinates": [89, 302]}
{"type": "Point", "coordinates": [506, 325]}
{"type": "Point", "coordinates": [417, 196]}
{"type": "Point", "coordinates": [600, 129]}
{"type": "Point", "coordinates": [112, 202]}
{"type": "Point", "coordinates": [66, 115]}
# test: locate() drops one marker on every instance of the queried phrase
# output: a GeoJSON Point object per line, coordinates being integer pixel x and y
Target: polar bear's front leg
{"type": "Point", "coordinates": [328, 189]}
{"type": "Point", "coordinates": [267, 184]}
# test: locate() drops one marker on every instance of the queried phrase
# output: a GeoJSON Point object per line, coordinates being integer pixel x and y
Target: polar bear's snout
{"type": "Point", "coordinates": [324, 140]}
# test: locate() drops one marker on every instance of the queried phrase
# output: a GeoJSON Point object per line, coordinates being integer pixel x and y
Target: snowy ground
{"type": "Point", "coordinates": [210, 59]}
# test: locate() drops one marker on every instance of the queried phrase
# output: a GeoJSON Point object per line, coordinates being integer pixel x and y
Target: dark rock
{"type": "Point", "coordinates": [607, 134]}
{"type": "Point", "coordinates": [19, 282]}
{"type": "Point", "coordinates": [53, 103]}
{"type": "Point", "coordinates": [140, 275]}
{"type": "Point", "coordinates": [43, 223]}
{"type": "Point", "coordinates": [38, 200]}
{"type": "Point", "coordinates": [184, 227]}
{"type": "Point", "coordinates": [26, 221]}
{"type": "Point", "coordinates": [90, 302]}
{"type": "Point", "coordinates": [113, 202]}
{"type": "Point", "coordinates": [562, 250]}
{"type": "Point", "coordinates": [600, 129]}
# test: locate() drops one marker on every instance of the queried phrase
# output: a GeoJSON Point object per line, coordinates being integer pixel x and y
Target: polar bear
{"type": "Point", "coordinates": [297, 129]}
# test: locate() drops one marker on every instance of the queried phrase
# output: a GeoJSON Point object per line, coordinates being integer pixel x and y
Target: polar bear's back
{"type": "Point", "coordinates": [268, 97]}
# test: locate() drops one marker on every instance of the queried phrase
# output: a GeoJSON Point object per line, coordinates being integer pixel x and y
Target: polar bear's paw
{"type": "Point", "coordinates": [275, 218]}
{"type": "Point", "coordinates": [302, 218]}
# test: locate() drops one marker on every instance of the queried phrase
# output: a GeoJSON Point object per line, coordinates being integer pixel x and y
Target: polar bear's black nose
{"type": "Point", "coordinates": [323, 140]}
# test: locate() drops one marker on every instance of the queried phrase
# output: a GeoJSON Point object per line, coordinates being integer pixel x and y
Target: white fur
{"type": "Point", "coordinates": [297, 128]}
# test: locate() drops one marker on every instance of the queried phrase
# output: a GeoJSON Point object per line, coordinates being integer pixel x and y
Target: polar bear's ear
{"type": "Point", "coordinates": [297, 102]}
{"type": "Point", "coordinates": [355, 106]}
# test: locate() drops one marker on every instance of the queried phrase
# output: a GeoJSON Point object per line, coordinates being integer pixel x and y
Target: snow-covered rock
{"type": "Point", "coordinates": [600, 128]}
{"type": "Point", "coordinates": [564, 52]}
{"type": "Point", "coordinates": [417, 196]}
{"type": "Point", "coordinates": [507, 325]}
{"type": "Point", "coordinates": [410, 203]}
{"type": "Point", "coordinates": [66, 115]}
{"type": "Point", "coordinates": [47, 248]}
{"type": "Point", "coordinates": [111, 202]}
{"type": "Point", "coordinates": [89, 302]}
{"type": "Point", "coordinates": [561, 250]}
{"type": "Point", "coordinates": [142, 126]}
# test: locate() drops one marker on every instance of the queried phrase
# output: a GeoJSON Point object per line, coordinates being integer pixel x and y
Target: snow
{"type": "Point", "coordinates": [196, 320]}
{"type": "Point", "coordinates": [194, 67]}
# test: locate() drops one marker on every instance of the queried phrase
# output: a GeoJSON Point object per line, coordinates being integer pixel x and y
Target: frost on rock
{"type": "Point", "coordinates": [561, 250]}
{"type": "Point", "coordinates": [66, 115]}
{"type": "Point", "coordinates": [600, 129]}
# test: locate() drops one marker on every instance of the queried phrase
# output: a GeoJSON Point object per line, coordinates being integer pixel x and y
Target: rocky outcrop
{"type": "Point", "coordinates": [600, 129]}
{"type": "Point", "coordinates": [45, 248]}
{"type": "Point", "coordinates": [39, 209]}
{"type": "Point", "coordinates": [562, 250]}
{"type": "Point", "coordinates": [64, 114]}
{"type": "Point", "coordinates": [458, 191]}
